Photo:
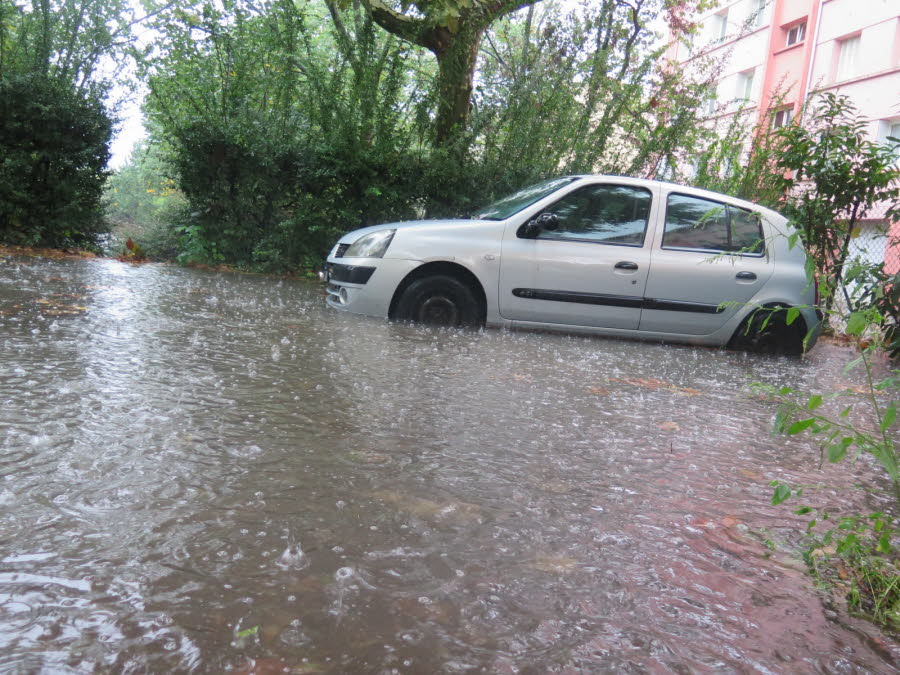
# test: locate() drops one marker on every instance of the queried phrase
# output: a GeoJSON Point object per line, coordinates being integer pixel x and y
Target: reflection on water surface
{"type": "Point", "coordinates": [208, 472]}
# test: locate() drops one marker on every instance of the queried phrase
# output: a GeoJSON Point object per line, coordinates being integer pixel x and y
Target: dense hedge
{"type": "Point", "coordinates": [54, 146]}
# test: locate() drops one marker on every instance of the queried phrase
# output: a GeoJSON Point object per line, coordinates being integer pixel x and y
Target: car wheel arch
{"type": "Point", "coordinates": [798, 326]}
{"type": "Point", "coordinates": [441, 268]}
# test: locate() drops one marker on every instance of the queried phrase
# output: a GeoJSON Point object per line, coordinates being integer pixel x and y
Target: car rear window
{"type": "Point", "coordinates": [696, 224]}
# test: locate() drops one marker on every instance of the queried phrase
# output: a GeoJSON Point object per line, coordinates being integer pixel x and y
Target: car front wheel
{"type": "Point", "coordinates": [439, 301]}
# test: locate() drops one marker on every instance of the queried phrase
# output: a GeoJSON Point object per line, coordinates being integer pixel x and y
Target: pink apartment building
{"type": "Point", "coordinates": [795, 48]}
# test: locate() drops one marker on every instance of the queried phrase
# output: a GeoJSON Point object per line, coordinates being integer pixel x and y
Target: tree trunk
{"type": "Point", "coordinates": [456, 73]}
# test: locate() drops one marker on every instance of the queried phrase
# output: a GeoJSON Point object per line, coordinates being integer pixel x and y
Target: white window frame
{"type": "Point", "coordinates": [795, 34]}
{"type": "Point", "coordinates": [757, 13]}
{"type": "Point", "coordinates": [848, 56]}
{"type": "Point", "coordinates": [782, 118]}
{"type": "Point", "coordinates": [718, 29]}
{"type": "Point", "coordinates": [890, 127]}
{"type": "Point", "coordinates": [744, 89]}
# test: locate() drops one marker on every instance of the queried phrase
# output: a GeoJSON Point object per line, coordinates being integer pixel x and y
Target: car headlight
{"type": "Point", "coordinates": [371, 246]}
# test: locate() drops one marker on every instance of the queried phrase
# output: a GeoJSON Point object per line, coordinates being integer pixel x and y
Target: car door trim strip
{"type": "Point", "coordinates": [583, 298]}
{"type": "Point", "coordinates": [682, 306]}
{"type": "Point", "coordinates": [616, 300]}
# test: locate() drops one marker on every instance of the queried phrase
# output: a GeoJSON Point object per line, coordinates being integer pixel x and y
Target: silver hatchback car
{"type": "Point", "coordinates": [607, 255]}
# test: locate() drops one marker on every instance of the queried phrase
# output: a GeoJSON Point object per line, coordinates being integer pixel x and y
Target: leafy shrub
{"type": "Point", "coordinates": [53, 153]}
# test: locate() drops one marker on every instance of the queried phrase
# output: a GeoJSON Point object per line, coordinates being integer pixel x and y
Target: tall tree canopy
{"type": "Point", "coordinates": [452, 30]}
{"type": "Point", "coordinates": [54, 126]}
{"type": "Point", "coordinates": [284, 122]}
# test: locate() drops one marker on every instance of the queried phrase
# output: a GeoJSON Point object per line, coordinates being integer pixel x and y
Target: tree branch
{"type": "Point", "coordinates": [488, 10]}
{"type": "Point", "coordinates": [404, 27]}
{"type": "Point", "coordinates": [343, 37]}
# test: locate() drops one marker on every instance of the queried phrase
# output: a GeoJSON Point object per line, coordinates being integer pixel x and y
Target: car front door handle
{"type": "Point", "coordinates": [745, 276]}
{"type": "Point", "coordinates": [625, 265]}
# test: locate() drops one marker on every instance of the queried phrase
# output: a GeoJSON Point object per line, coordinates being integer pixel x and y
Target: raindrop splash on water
{"type": "Point", "coordinates": [490, 501]}
{"type": "Point", "coordinates": [293, 558]}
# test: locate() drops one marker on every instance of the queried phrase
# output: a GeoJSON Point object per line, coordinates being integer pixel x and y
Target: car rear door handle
{"type": "Point", "coordinates": [625, 265]}
{"type": "Point", "coordinates": [745, 276]}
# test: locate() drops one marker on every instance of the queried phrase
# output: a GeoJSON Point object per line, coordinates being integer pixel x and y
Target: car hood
{"type": "Point", "coordinates": [418, 225]}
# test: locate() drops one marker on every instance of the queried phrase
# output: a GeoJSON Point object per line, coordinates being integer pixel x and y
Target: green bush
{"type": "Point", "coordinates": [53, 153]}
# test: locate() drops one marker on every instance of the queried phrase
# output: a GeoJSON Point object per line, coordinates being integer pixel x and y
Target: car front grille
{"type": "Point", "coordinates": [341, 250]}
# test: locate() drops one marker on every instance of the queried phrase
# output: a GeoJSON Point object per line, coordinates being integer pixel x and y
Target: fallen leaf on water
{"type": "Point", "coordinates": [369, 457]}
{"type": "Point", "coordinates": [555, 486]}
{"type": "Point", "coordinates": [729, 521]}
{"type": "Point", "coordinates": [859, 389]}
{"type": "Point", "coordinates": [669, 426]}
{"type": "Point", "coordinates": [598, 391]}
{"type": "Point", "coordinates": [453, 511]}
{"type": "Point", "coordinates": [247, 632]}
{"type": "Point", "coordinates": [555, 564]}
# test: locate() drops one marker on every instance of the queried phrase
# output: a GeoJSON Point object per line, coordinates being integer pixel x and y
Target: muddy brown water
{"type": "Point", "coordinates": [204, 472]}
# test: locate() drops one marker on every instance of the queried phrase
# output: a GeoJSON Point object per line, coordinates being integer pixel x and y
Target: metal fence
{"type": "Point", "coordinates": [875, 244]}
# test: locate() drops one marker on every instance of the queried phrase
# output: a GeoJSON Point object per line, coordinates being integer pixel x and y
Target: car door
{"type": "Point", "coordinates": [591, 270]}
{"type": "Point", "coordinates": [709, 259]}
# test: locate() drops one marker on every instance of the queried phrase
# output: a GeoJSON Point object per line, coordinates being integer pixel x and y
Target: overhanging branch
{"type": "Point", "coordinates": [403, 26]}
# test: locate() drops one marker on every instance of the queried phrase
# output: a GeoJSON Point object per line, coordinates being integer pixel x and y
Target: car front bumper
{"type": "Point", "coordinates": [364, 285]}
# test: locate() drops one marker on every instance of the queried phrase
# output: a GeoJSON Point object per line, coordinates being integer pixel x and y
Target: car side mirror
{"type": "Point", "coordinates": [548, 221]}
{"type": "Point", "coordinates": [545, 221]}
{"type": "Point", "coordinates": [531, 229]}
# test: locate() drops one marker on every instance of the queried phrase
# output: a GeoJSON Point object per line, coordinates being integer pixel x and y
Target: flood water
{"type": "Point", "coordinates": [210, 472]}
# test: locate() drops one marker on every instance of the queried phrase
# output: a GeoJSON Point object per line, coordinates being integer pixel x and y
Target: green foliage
{"type": "Point", "coordinates": [53, 154]}
{"type": "Point", "coordinates": [832, 176]}
{"type": "Point", "coordinates": [846, 428]}
{"type": "Point", "coordinates": [580, 92]}
{"type": "Point", "coordinates": [54, 128]}
{"type": "Point", "coordinates": [286, 124]}
{"type": "Point", "coordinates": [282, 136]}
{"type": "Point", "coordinates": [742, 159]}
{"type": "Point", "coordinates": [875, 295]}
{"type": "Point", "coordinates": [65, 39]}
{"type": "Point", "coordinates": [143, 204]}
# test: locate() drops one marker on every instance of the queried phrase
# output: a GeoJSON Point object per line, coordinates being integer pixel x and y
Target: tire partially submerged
{"type": "Point", "coordinates": [766, 331]}
{"type": "Point", "coordinates": [440, 300]}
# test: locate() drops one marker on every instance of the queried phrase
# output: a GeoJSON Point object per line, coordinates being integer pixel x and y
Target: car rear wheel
{"type": "Point", "coordinates": [439, 301]}
{"type": "Point", "coordinates": [766, 331]}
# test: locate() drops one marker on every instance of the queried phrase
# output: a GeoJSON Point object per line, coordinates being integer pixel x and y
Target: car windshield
{"type": "Point", "coordinates": [512, 204]}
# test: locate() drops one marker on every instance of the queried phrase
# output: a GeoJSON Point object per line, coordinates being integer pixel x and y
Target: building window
{"type": "Point", "coordinates": [718, 27]}
{"type": "Point", "coordinates": [745, 84]}
{"type": "Point", "coordinates": [891, 129]}
{"type": "Point", "coordinates": [782, 118]}
{"type": "Point", "coordinates": [796, 34]}
{"type": "Point", "coordinates": [847, 57]}
{"type": "Point", "coordinates": [756, 14]}
{"type": "Point", "coordinates": [708, 107]}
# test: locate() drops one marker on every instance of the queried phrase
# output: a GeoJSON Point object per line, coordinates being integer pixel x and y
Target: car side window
{"type": "Point", "coordinates": [695, 224]}
{"type": "Point", "coordinates": [603, 214]}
